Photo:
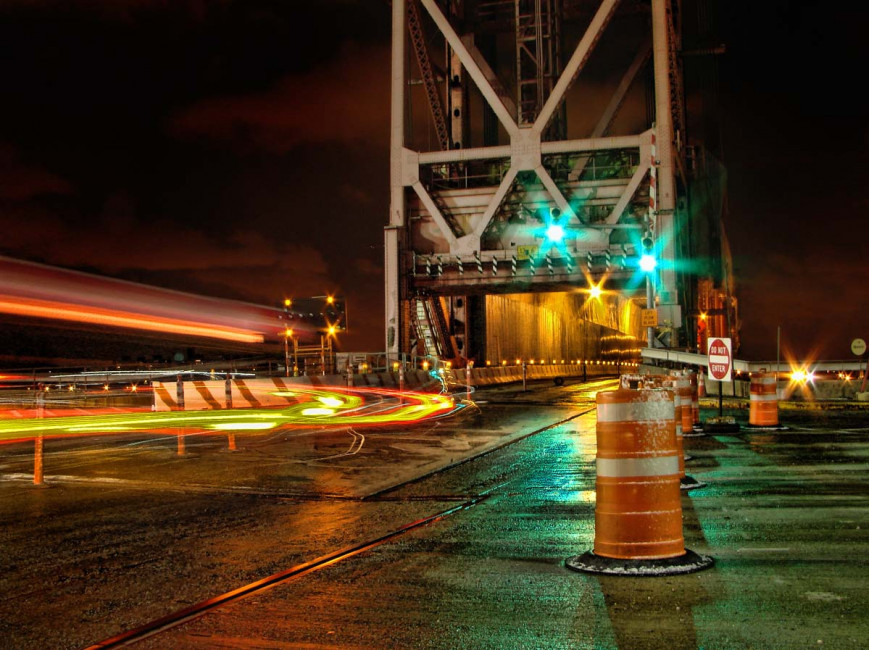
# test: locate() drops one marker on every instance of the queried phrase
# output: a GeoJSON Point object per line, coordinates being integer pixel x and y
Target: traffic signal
{"type": "Point", "coordinates": [647, 259]}
{"type": "Point", "coordinates": [554, 230]}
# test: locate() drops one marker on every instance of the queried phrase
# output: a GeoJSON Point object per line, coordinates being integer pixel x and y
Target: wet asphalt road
{"type": "Point", "coordinates": [129, 532]}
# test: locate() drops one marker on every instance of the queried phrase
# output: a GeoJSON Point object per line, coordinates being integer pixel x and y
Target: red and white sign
{"type": "Point", "coordinates": [720, 359]}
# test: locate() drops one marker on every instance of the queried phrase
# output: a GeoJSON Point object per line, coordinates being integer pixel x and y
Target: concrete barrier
{"type": "Point", "coordinates": [253, 393]}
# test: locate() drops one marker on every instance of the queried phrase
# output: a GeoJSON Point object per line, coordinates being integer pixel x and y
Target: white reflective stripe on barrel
{"type": "Point", "coordinates": [659, 466]}
{"type": "Point", "coordinates": [660, 409]}
{"type": "Point", "coordinates": [754, 397]}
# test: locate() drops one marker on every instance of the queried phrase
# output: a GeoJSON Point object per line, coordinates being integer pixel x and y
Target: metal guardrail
{"type": "Point", "coordinates": [694, 359]}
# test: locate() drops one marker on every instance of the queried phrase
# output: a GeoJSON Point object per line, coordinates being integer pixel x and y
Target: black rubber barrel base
{"type": "Point", "coordinates": [720, 425]}
{"type": "Point", "coordinates": [765, 427]}
{"type": "Point", "coordinates": [690, 483]}
{"type": "Point", "coordinates": [687, 563]}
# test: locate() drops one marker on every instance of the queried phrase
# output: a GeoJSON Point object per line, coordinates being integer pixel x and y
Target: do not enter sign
{"type": "Point", "coordinates": [720, 359]}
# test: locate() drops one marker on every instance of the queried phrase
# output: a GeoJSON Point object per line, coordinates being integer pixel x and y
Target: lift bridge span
{"type": "Point", "coordinates": [538, 149]}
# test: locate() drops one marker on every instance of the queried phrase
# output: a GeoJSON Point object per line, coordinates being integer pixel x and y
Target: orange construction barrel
{"type": "Point", "coordinates": [763, 400]}
{"type": "Point", "coordinates": [695, 395]}
{"type": "Point", "coordinates": [682, 408]}
{"type": "Point", "coordinates": [683, 387]}
{"type": "Point", "coordinates": [691, 415]}
{"type": "Point", "coordinates": [638, 511]}
{"type": "Point", "coordinates": [669, 384]}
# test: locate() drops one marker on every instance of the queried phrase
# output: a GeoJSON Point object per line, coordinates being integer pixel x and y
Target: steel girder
{"type": "Point", "coordinates": [469, 220]}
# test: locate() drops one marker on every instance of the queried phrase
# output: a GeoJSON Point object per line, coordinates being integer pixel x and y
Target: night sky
{"type": "Point", "coordinates": [240, 149]}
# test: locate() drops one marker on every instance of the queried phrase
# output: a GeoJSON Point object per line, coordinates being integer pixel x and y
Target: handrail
{"type": "Point", "coordinates": [694, 359]}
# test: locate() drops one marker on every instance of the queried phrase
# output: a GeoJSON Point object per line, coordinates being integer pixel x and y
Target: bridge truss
{"type": "Point", "coordinates": [474, 215]}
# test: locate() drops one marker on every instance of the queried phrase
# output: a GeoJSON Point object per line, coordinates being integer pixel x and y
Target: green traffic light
{"type": "Point", "coordinates": [554, 232]}
{"type": "Point", "coordinates": [648, 263]}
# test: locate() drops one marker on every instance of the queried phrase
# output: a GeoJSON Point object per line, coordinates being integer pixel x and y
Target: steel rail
{"type": "Point", "coordinates": [200, 609]}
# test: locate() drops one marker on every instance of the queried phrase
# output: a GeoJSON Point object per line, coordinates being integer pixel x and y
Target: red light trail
{"type": "Point", "coordinates": [39, 291]}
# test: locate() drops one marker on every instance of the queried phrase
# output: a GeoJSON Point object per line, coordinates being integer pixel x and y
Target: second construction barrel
{"type": "Point", "coordinates": [638, 512]}
{"type": "Point", "coordinates": [763, 400]}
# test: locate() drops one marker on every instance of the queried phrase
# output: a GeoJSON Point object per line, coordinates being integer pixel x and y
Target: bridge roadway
{"type": "Point", "coordinates": [393, 537]}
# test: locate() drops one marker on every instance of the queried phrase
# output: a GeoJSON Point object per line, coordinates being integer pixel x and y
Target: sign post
{"type": "Point", "coordinates": [858, 349]}
{"type": "Point", "coordinates": [720, 364]}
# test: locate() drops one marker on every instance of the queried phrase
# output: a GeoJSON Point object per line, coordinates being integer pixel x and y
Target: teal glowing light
{"type": "Point", "coordinates": [554, 233]}
{"type": "Point", "coordinates": [648, 263]}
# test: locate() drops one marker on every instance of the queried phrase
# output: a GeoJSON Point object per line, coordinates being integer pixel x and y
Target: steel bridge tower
{"type": "Point", "coordinates": [493, 190]}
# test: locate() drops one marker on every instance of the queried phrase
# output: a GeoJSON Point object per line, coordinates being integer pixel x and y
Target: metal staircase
{"type": "Point", "coordinates": [431, 327]}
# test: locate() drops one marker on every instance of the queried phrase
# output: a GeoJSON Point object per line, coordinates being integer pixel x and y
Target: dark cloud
{"type": "Point", "coordinates": [816, 301]}
{"type": "Point", "coordinates": [346, 100]}
{"type": "Point", "coordinates": [21, 182]}
{"type": "Point", "coordinates": [240, 264]}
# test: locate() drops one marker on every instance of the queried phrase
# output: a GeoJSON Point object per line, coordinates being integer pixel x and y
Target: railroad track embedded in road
{"type": "Point", "coordinates": [202, 608]}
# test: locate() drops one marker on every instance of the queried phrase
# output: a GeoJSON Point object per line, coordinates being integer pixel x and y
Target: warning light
{"type": "Point", "coordinates": [647, 260]}
{"type": "Point", "coordinates": [288, 302]}
{"type": "Point", "coordinates": [554, 233]}
{"type": "Point", "coordinates": [648, 263]}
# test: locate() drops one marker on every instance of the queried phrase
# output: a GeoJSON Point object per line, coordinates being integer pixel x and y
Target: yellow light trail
{"type": "Point", "coordinates": [321, 406]}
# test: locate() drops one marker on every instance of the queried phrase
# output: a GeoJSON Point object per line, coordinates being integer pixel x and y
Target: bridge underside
{"type": "Point", "coordinates": [547, 327]}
